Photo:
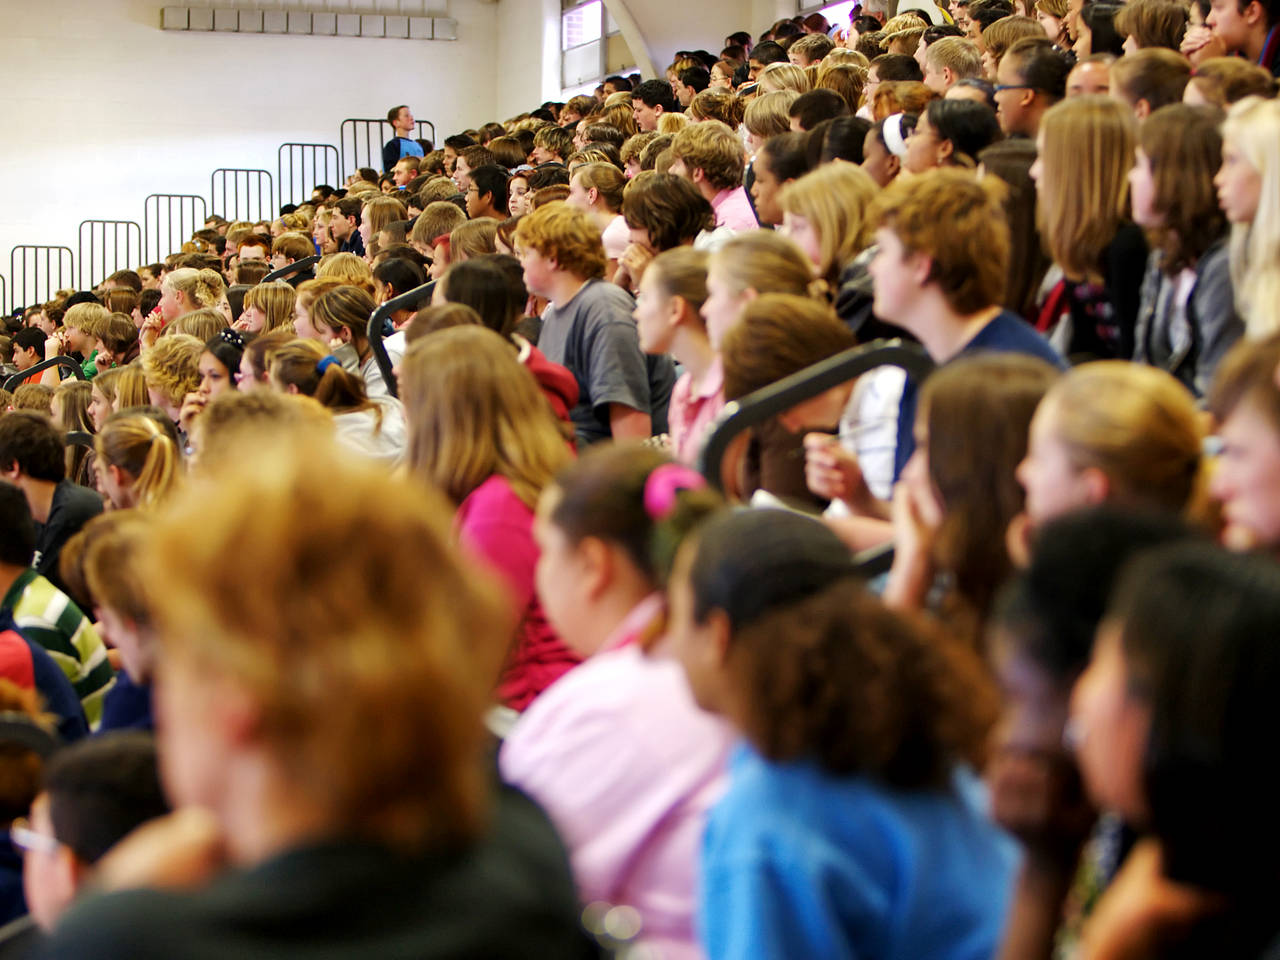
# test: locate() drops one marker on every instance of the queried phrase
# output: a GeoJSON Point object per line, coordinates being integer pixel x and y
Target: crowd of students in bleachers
{"type": "Point", "coordinates": [472, 661]}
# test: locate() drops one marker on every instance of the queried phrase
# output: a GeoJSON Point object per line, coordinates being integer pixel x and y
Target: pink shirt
{"type": "Point", "coordinates": [733, 210]}
{"type": "Point", "coordinates": [496, 526]}
{"type": "Point", "coordinates": [627, 766]}
{"type": "Point", "coordinates": [690, 413]}
{"type": "Point", "coordinates": [616, 238]}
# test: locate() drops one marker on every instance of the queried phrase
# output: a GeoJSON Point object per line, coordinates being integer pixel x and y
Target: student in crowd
{"type": "Point", "coordinates": [1112, 432]}
{"type": "Point", "coordinates": [487, 193]}
{"type": "Point", "coordinates": [632, 819]}
{"type": "Point", "coordinates": [1001, 35]}
{"type": "Point", "coordinates": [1166, 722]}
{"type": "Point", "coordinates": [44, 614]}
{"type": "Point", "coordinates": [267, 307]}
{"type": "Point", "coordinates": [344, 226]}
{"type": "Point", "coordinates": [1086, 150]}
{"type": "Point", "coordinates": [372, 427]}
{"type": "Point", "coordinates": [1031, 78]}
{"type": "Point", "coordinates": [779, 161]}
{"type": "Point", "coordinates": [1147, 80]}
{"type": "Point", "coordinates": [393, 846]}
{"type": "Point", "coordinates": [777, 635]}
{"type": "Point", "coordinates": [825, 213]}
{"type": "Point", "coordinates": [32, 456]}
{"type": "Point", "coordinates": [117, 343]}
{"type": "Point", "coordinates": [1245, 402]}
{"type": "Point", "coordinates": [711, 156]}
{"type": "Point", "coordinates": [256, 357]}
{"type": "Point", "coordinates": [596, 189]}
{"type": "Point", "coordinates": [1040, 641]}
{"type": "Point", "coordinates": [342, 314]}
{"type": "Point", "coordinates": [886, 147]}
{"type": "Point", "coordinates": [1222, 81]}
{"type": "Point", "coordinates": [92, 794]}
{"type": "Point", "coordinates": [948, 61]}
{"type": "Point", "coordinates": [183, 291]}
{"type": "Point", "coordinates": [588, 328]}
{"type": "Point", "coordinates": [662, 211]}
{"type": "Point", "coordinates": [219, 364]}
{"type": "Point", "coordinates": [172, 370]}
{"type": "Point", "coordinates": [1186, 318]}
{"type": "Point", "coordinates": [1247, 31]}
{"type": "Point", "coordinates": [138, 463]}
{"type": "Point", "coordinates": [1249, 183]}
{"type": "Point", "coordinates": [70, 413]}
{"type": "Point", "coordinates": [668, 320]}
{"type": "Point", "coordinates": [649, 101]}
{"type": "Point", "coordinates": [480, 432]}
{"type": "Point", "coordinates": [950, 133]}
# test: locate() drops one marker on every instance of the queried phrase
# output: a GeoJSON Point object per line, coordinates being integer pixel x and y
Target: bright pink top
{"type": "Point", "coordinates": [733, 210]}
{"type": "Point", "coordinates": [690, 413]}
{"type": "Point", "coordinates": [496, 526]}
{"type": "Point", "coordinates": [627, 766]}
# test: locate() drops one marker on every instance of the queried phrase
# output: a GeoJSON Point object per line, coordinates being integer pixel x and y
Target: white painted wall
{"type": "Point", "coordinates": [101, 107]}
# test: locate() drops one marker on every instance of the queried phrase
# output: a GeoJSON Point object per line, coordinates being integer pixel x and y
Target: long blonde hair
{"type": "Point", "coordinates": [1136, 424]}
{"type": "Point", "coordinates": [474, 412]}
{"type": "Point", "coordinates": [1253, 127]}
{"type": "Point", "coordinates": [765, 262]}
{"type": "Point", "coordinates": [275, 300]}
{"type": "Point", "coordinates": [1083, 195]}
{"type": "Point", "coordinates": [834, 199]}
{"type": "Point", "coordinates": [784, 76]}
{"type": "Point", "coordinates": [137, 445]}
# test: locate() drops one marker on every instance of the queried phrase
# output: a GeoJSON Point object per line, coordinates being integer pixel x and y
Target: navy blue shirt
{"type": "Point", "coordinates": [1006, 333]}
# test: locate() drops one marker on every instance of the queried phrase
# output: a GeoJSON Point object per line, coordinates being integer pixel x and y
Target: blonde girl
{"type": "Point", "coordinates": [783, 76]}
{"type": "Point", "coordinates": [1249, 192]}
{"type": "Point", "coordinates": [1113, 431]}
{"type": "Point", "coordinates": [1086, 150]}
{"type": "Point", "coordinates": [377, 213]}
{"type": "Point", "coordinates": [137, 462]}
{"type": "Point", "coordinates": [70, 411]}
{"type": "Point", "coordinates": [825, 213]}
{"type": "Point", "coordinates": [267, 307]}
{"type": "Point", "coordinates": [481, 431]}
{"type": "Point", "coordinates": [171, 369]}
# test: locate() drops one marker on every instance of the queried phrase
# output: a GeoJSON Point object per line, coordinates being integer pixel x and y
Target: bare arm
{"type": "Point", "coordinates": [627, 423]}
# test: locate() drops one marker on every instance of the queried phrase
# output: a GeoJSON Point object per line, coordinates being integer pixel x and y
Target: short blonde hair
{"type": "Point", "coordinates": [723, 105]}
{"type": "Point", "coordinates": [565, 235]}
{"type": "Point", "coordinates": [715, 150]}
{"type": "Point", "coordinates": [959, 55]}
{"type": "Point", "coordinates": [474, 238]}
{"type": "Point", "coordinates": [783, 76]}
{"type": "Point", "coordinates": [347, 268]}
{"type": "Point", "coordinates": [358, 597]}
{"type": "Point", "coordinates": [171, 367]}
{"type": "Point", "coordinates": [88, 317]}
{"type": "Point", "coordinates": [770, 113]}
{"type": "Point", "coordinates": [835, 199]}
{"type": "Point", "coordinates": [201, 324]}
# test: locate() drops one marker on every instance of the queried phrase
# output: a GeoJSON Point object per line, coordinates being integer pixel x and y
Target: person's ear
{"type": "Point", "coordinates": [1255, 13]}
{"type": "Point", "coordinates": [1096, 485]}
{"type": "Point", "coordinates": [1142, 109]}
{"type": "Point", "coordinates": [719, 633]}
{"type": "Point", "coordinates": [750, 294]}
{"type": "Point", "coordinates": [592, 196]}
{"type": "Point", "coordinates": [291, 389]}
{"type": "Point", "coordinates": [118, 476]}
{"type": "Point", "coordinates": [948, 76]}
{"type": "Point", "coordinates": [596, 566]}
{"type": "Point", "coordinates": [945, 149]}
{"type": "Point", "coordinates": [895, 165]}
{"type": "Point", "coordinates": [1028, 98]}
{"type": "Point", "coordinates": [921, 267]}
{"type": "Point", "coordinates": [658, 109]}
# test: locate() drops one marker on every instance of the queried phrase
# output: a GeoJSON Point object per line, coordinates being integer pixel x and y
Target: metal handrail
{"type": "Point", "coordinates": [15, 381]}
{"type": "Point", "coordinates": [767, 402]}
{"type": "Point", "coordinates": [287, 271]}
{"type": "Point", "coordinates": [378, 324]}
{"type": "Point", "coordinates": [78, 438]}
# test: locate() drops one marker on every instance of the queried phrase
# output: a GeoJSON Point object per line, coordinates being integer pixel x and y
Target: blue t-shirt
{"type": "Point", "coordinates": [800, 863]}
{"type": "Point", "coordinates": [1006, 333]}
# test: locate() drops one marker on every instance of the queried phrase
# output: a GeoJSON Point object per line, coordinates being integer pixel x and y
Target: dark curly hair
{"type": "Point", "coordinates": [826, 669]}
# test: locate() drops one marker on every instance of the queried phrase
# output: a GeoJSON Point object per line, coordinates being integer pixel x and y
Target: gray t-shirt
{"type": "Point", "coordinates": [594, 336]}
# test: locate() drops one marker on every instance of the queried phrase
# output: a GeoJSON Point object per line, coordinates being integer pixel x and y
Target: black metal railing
{"type": "Point", "coordinates": [168, 221]}
{"type": "Point", "coordinates": [379, 321]}
{"type": "Point", "coordinates": [300, 167]}
{"type": "Point", "coordinates": [362, 140]}
{"type": "Point", "coordinates": [38, 272]}
{"type": "Point", "coordinates": [245, 194]}
{"type": "Point", "coordinates": [296, 267]}
{"type": "Point", "coordinates": [18, 379]}
{"type": "Point", "coordinates": [107, 246]}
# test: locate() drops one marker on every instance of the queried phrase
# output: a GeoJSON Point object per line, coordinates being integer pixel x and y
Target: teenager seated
{"type": "Point", "coordinates": [402, 847]}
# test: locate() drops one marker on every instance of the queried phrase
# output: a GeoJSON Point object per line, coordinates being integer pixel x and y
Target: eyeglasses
{"type": "Point", "coordinates": [24, 838]}
{"type": "Point", "coordinates": [1011, 86]}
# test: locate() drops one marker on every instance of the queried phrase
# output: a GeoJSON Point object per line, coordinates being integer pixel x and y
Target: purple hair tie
{"type": "Point", "coordinates": [664, 483]}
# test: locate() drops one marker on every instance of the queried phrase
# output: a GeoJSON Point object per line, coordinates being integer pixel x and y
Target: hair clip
{"type": "Point", "coordinates": [325, 363]}
{"type": "Point", "coordinates": [232, 337]}
{"type": "Point", "coordinates": [664, 483]}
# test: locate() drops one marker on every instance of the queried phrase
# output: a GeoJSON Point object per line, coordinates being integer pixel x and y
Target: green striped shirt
{"type": "Point", "coordinates": [47, 616]}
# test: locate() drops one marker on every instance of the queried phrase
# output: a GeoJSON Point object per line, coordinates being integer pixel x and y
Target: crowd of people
{"type": "Point", "coordinates": [452, 645]}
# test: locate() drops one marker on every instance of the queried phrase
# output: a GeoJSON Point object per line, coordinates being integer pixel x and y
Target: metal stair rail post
{"type": "Point", "coordinates": [365, 137]}
{"type": "Point", "coordinates": [106, 246]}
{"type": "Point", "coordinates": [15, 381]}
{"type": "Point", "coordinates": [246, 194]}
{"type": "Point", "coordinates": [301, 167]}
{"type": "Point", "coordinates": [296, 267]}
{"type": "Point", "coordinates": [38, 271]}
{"type": "Point", "coordinates": [377, 329]}
{"type": "Point", "coordinates": [168, 221]}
